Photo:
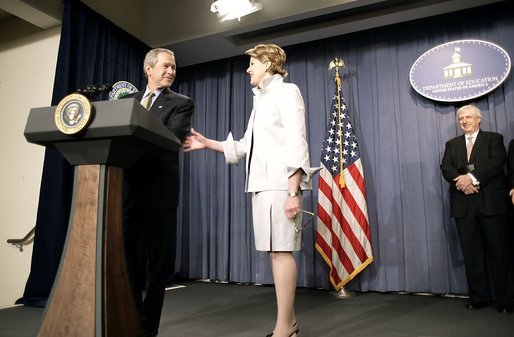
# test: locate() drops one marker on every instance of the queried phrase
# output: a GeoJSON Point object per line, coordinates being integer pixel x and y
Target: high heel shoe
{"type": "Point", "coordinates": [295, 327]}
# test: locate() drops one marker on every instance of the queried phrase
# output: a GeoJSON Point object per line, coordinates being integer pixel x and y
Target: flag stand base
{"type": "Point", "coordinates": [343, 293]}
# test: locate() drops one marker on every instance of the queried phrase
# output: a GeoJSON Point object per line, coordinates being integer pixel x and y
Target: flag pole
{"type": "Point", "coordinates": [342, 231]}
{"type": "Point", "coordinates": [338, 63]}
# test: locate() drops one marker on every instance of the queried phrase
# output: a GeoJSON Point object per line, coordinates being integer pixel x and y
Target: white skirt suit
{"type": "Point", "coordinates": [275, 147]}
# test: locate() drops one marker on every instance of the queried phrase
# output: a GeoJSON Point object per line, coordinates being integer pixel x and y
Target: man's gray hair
{"type": "Point", "coordinates": [471, 107]}
{"type": "Point", "coordinates": [153, 55]}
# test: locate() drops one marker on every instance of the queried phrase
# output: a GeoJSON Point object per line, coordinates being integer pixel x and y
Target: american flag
{"type": "Point", "coordinates": [342, 235]}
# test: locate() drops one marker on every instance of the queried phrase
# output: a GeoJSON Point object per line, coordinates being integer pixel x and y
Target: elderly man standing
{"type": "Point", "coordinates": [510, 171]}
{"type": "Point", "coordinates": [473, 164]}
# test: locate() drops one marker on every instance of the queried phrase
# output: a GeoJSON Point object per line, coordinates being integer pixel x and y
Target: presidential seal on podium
{"type": "Point", "coordinates": [73, 114]}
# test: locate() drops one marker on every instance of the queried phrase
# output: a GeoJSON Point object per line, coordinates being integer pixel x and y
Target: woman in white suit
{"type": "Point", "coordinates": [277, 170]}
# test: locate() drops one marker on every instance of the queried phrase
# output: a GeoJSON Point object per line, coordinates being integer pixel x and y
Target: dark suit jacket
{"type": "Point", "coordinates": [154, 181]}
{"type": "Point", "coordinates": [488, 156]}
{"type": "Point", "coordinates": [510, 165]}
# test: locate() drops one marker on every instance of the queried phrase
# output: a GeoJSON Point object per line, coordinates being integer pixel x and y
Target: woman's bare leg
{"type": "Point", "coordinates": [284, 270]}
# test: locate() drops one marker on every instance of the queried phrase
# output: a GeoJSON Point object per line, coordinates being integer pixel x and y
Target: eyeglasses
{"type": "Point", "coordinates": [311, 217]}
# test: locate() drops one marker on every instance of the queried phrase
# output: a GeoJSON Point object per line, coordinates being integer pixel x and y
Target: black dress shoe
{"type": "Point", "coordinates": [148, 333]}
{"type": "Point", "coordinates": [470, 306]}
{"type": "Point", "coordinates": [477, 305]}
{"type": "Point", "coordinates": [504, 310]}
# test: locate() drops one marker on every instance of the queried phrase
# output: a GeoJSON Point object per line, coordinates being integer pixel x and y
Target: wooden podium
{"type": "Point", "coordinates": [91, 295]}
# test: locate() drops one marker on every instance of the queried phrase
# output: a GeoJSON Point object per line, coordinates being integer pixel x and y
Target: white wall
{"type": "Point", "coordinates": [27, 70]}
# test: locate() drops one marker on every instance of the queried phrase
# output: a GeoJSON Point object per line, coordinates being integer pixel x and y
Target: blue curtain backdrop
{"type": "Point", "coordinates": [401, 136]}
{"type": "Point", "coordinates": [92, 50]}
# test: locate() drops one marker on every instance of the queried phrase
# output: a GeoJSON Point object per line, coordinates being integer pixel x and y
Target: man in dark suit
{"type": "Point", "coordinates": [510, 171]}
{"type": "Point", "coordinates": [510, 185]}
{"type": "Point", "coordinates": [151, 190]}
{"type": "Point", "coordinates": [473, 164]}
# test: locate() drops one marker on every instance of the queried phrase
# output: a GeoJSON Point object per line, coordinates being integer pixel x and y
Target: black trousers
{"type": "Point", "coordinates": [486, 246]}
{"type": "Point", "coordinates": [150, 241]}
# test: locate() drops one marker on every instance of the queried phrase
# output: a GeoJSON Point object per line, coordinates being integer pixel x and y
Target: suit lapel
{"type": "Point", "coordinates": [462, 152]}
{"type": "Point", "coordinates": [139, 95]}
{"type": "Point", "coordinates": [249, 144]}
{"type": "Point", "coordinates": [160, 102]}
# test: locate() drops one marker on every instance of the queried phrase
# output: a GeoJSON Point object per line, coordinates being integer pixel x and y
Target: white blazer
{"type": "Point", "coordinates": [277, 130]}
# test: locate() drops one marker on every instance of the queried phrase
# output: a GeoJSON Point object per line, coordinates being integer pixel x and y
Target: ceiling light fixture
{"type": "Point", "coordinates": [234, 9]}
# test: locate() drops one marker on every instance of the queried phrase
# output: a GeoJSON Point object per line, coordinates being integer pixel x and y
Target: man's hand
{"type": "Point", "coordinates": [465, 184]}
{"type": "Point", "coordinates": [462, 182]}
{"type": "Point", "coordinates": [471, 189]}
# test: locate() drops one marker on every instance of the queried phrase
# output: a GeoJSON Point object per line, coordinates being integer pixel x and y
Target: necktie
{"type": "Point", "coordinates": [469, 146]}
{"type": "Point", "coordinates": [147, 101]}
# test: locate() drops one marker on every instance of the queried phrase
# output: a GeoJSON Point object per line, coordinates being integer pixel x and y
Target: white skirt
{"type": "Point", "coordinates": [273, 230]}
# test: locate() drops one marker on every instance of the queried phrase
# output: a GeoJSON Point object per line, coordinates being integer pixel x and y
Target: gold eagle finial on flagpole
{"type": "Point", "coordinates": [336, 63]}
{"type": "Point", "coordinates": [339, 63]}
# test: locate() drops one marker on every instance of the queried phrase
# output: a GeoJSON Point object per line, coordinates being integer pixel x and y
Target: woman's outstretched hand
{"type": "Point", "coordinates": [195, 141]}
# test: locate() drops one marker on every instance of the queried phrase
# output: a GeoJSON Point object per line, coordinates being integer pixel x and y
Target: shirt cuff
{"type": "Point", "coordinates": [474, 180]}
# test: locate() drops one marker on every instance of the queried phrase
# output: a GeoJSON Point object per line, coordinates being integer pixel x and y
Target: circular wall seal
{"type": "Point", "coordinates": [120, 89]}
{"type": "Point", "coordinates": [73, 114]}
{"type": "Point", "coordinates": [460, 70]}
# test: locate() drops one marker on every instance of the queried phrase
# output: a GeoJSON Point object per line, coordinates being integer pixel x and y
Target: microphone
{"type": "Point", "coordinates": [94, 90]}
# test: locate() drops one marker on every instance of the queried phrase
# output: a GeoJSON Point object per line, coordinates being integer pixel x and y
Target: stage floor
{"type": "Point", "coordinates": [200, 309]}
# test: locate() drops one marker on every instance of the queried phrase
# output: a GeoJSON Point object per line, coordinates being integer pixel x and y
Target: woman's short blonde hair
{"type": "Point", "coordinates": [270, 53]}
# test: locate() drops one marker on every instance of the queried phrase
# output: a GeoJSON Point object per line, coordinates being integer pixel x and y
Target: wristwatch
{"type": "Point", "coordinates": [293, 194]}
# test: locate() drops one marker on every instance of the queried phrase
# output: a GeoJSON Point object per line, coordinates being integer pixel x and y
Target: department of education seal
{"type": "Point", "coordinates": [120, 89]}
{"type": "Point", "coordinates": [73, 114]}
{"type": "Point", "coordinates": [460, 70]}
